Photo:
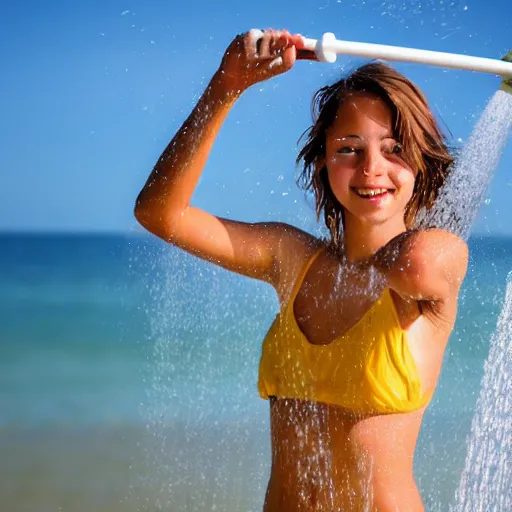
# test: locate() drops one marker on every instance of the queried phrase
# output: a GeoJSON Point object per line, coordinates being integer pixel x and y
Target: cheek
{"type": "Point", "coordinates": [340, 186]}
{"type": "Point", "coordinates": [404, 180]}
{"type": "Point", "coordinates": [339, 178]}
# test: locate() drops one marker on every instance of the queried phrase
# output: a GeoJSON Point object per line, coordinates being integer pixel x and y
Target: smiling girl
{"type": "Point", "coordinates": [353, 357]}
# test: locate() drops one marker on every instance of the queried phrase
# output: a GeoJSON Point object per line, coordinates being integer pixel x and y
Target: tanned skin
{"type": "Point", "coordinates": [367, 463]}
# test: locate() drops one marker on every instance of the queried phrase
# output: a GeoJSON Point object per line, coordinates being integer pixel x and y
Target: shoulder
{"type": "Point", "coordinates": [441, 250]}
{"type": "Point", "coordinates": [426, 264]}
{"type": "Point", "coordinates": [293, 248]}
{"type": "Point", "coordinates": [291, 239]}
{"type": "Point", "coordinates": [436, 244]}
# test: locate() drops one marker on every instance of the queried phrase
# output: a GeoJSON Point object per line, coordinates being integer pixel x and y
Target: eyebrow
{"type": "Point", "coordinates": [352, 136]}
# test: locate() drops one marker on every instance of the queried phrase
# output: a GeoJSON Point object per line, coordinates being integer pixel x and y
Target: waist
{"type": "Point", "coordinates": [330, 497]}
{"type": "Point", "coordinates": [320, 462]}
{"type": "Point", "coordinates": [282, 497]}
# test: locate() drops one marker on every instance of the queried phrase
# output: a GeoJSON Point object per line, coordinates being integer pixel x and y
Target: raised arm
{"type": "Point", "coordinates": [163, 206]}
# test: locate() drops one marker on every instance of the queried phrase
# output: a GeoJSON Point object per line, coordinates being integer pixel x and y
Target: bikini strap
{"type": "Point", "coordinates": [302, 274]}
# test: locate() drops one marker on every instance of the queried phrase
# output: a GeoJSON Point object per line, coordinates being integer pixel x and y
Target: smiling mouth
{"type": "Point", "coordinates": [368, 193]}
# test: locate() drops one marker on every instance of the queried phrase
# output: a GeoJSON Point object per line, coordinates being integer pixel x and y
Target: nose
{"type": "Point", "coordinates": [372, 164]}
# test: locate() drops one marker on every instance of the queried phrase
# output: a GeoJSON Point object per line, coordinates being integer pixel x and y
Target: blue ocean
{"type": "Point", "coordinates": [128, 377]}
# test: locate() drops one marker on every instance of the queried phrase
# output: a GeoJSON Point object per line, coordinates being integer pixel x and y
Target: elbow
{"type": "Point", "coordinates": [157, 219]}
{"type": "Point", "coordinates": [142, 213]}
{"type": "Point", "coordinates": [148, 214]}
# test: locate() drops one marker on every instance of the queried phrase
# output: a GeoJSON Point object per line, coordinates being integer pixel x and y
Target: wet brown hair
{"type": "Point", "coordinates": [414, 127]}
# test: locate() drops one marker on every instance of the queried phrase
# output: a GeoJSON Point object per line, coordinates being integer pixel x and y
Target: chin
{"type": "Point", "coordinates": [376, 218]}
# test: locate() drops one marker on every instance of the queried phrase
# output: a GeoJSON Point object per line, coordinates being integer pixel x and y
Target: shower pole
{"type": "Point", "coordinates": [328, 48]}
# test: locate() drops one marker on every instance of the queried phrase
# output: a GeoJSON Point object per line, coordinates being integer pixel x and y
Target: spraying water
{"type": "Point", "coordinates": [486, 479]}
{"type": "Point", "coordinates": [459, 200]}
{"type": "Point", "coordinates": [198, 373]}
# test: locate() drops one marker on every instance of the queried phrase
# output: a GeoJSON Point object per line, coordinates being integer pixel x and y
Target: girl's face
{"type": "Point", "coordinates": [364, 162]}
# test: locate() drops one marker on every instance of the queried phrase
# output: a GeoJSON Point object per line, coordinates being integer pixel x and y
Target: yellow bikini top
{"type": "Point", "coordinates": [369, 369]}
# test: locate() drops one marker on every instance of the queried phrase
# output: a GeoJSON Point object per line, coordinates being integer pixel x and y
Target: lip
{"type": "Point", "coordinates": [374, 199]}
{"type": "Point", "coordinates": [377, 199]}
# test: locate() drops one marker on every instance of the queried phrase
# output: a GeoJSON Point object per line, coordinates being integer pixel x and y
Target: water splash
{"type": "Point", "coordinates": [486, 478]}
{"type": "Point", "coordinates": [198, 373]}
{"type": "Point", "coordinates": [464, 191]}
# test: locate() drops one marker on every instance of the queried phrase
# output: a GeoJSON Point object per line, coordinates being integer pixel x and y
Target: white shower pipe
{"type": "Point", "coordinates": [327, 49]}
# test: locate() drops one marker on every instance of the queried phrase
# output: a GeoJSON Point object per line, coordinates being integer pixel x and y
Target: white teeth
{"type": "Point", "coordinates": [370, 192]}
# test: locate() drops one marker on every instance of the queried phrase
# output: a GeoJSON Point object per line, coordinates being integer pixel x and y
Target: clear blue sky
{"type": "Point", "coordinates": [91, 92]}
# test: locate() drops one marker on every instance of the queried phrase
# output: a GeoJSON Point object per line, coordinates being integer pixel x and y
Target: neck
{"type": "Point", "coordinates": [362, 240]}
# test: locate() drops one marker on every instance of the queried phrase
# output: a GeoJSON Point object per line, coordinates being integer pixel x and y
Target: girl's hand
{"type": "Point", "coordinates": [256, 56]}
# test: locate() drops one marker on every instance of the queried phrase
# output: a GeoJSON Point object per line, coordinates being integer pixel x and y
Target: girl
{"type": "Point", "coordinates": [352, 359]}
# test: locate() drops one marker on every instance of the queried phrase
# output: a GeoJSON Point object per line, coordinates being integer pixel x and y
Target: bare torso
{"type": "Point", "coordinates": [323, 460]}
{"type": "Point", "coordinates": [326, 458]}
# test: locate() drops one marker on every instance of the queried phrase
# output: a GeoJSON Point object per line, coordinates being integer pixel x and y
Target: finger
{"type": "Point", "coordinates": [278, 44]}
{"type": "Point", "coordinates": [276, 63]}
{"type": "Point", "coordinates": [297, 41]}
{"type": "Point", "coordinates": [252, 40]}
{"type": "Point", "coordinates": [273, 43]}
{"type": "Point", "coordinates": [264, 44]}
{"type": "Point", "coordinates": [291, 39]}
{"type": "Point", "coordinates": [284, 61]}
{"type": "Point", "coordinates": [289, 58]}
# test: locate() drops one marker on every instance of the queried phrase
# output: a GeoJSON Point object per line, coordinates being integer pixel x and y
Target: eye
{"type": "Point", "coordinates": [397, 149]}
{"type": "Point", "coordinates": [347, 150]}
{"type": "Point", "coordinates": [393, 148]}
